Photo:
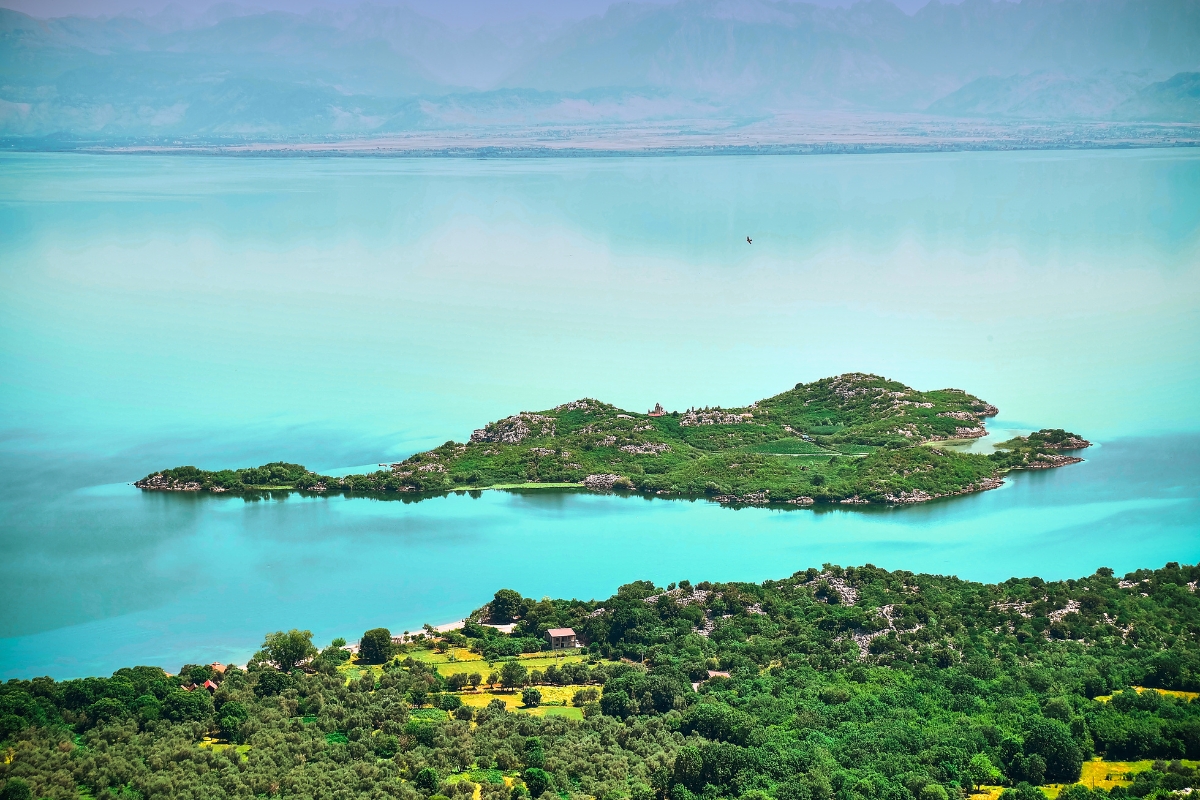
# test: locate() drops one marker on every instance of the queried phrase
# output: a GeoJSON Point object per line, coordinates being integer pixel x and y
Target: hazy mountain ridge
{"type": "Point", "coordinates": [1043, 95]}
{"type": "Point", "coordinates": [871, 53]}
{"type": "Point", "coordinates": [1177, 98]}
{"type": "Point", "coordinates": [377, 69]}
{"type": "Point", "coordinates": [467, 58]}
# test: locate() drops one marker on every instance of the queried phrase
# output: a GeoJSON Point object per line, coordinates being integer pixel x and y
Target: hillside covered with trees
{"type": "Point", "coordinates": [854, 438]}
{"type": "Point", "coordinates": [854, 684]}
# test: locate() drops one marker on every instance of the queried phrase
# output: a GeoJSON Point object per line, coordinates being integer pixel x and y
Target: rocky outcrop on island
{"type": "Point", "coordinates": [750, 499]}
{"type": "Point", "coordinates": [648, 449]}
{"type": "Point", "coordinates": [161, 483]}
{"type": "Point", "coordinates": [974, 431]}
{"type": "Point", "coordinates": [1048, 461]}
{"type": "Point", "coordinates": [918, 496]}
{"type": "Point", "coordinates": [602, 483]}
{"type": "Point", "coordinates": [585, 404]}
{"type": "Point", "coordinates": [516, 429]}
{"type": "Point", "coordinates": [713, 417]}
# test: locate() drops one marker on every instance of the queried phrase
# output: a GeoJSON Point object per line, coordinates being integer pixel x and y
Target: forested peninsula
{"type": "Point", "coordinates": [851, 439]}
{"type": "Point", "coordinates": [830, 684]}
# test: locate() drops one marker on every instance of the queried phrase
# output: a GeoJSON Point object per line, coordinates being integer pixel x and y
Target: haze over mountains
{"type": "Point", "coordinates": [229, 72]}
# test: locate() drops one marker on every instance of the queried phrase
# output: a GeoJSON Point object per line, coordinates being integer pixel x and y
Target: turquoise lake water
{"type": "Point", "coordinates": [227, 311]}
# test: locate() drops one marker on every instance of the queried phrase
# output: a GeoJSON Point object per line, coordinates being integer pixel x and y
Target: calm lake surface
{"type": "Point", "coordinates": [221, 312]}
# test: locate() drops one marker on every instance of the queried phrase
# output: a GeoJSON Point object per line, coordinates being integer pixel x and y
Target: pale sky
{"type": "Point", "coordinates": [450, 11]}
{"type": "Point", "coordinates": [457, 13]}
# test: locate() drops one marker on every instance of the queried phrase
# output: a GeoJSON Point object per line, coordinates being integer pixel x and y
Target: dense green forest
{"type": "Point", "coordinates": [854, 684]}
{"type": "Point", "coordinates": [850, 439]}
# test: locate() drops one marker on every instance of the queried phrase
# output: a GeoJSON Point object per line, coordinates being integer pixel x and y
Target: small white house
{"type": "Point", "coordinates": [562, 638]}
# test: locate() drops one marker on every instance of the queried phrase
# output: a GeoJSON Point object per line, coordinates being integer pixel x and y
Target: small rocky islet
{"type": "Point", "coordinates": [854, 439]}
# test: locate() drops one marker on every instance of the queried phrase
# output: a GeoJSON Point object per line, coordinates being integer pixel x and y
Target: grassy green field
{"type": "Point", "coordinates": [468, 662]}
{"type": "Point", "coordinates": [555, 699]}
{"type": "Point", "coordinates": [512, 700]}
{"type": "Point", "coordinates": [1189, 696]}
{"type": "Point", "coordinates": [787, 447]}
{"type": "Point", "coordinates": [353, 672]}
{"type": "Point", "coordinates": [482, 776]}
{"type": "Point", "coordinates": [461, 660]}
{"type": "Point", "coordinates": [451, 656]}
{"type": "Point", "coordinates": [217, 746]}
{"type": "Point", "coordinates": [1100, 774]}
{"type": "Point", "coordinates": [1097, 773]}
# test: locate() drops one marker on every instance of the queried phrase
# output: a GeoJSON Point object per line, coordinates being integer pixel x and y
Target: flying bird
{"type": "Point", "coordinates": [749, 240]}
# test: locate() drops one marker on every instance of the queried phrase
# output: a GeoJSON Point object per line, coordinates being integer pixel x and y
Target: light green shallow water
{"type": "Point", "coordinates": [224, 312]}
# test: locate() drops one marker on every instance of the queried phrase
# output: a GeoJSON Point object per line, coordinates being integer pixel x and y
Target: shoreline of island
{"type": "Point", "coordinates": [725, 500]}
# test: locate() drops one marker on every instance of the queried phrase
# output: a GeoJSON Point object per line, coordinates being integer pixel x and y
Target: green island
{"type": "Point", "coordinates": [851, 439]}
{"type": "Point", "coordinates": [834, 683]}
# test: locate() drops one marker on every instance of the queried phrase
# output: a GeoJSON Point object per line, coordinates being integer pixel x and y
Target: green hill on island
{"type": "Point", "coordinates": [851, 439]}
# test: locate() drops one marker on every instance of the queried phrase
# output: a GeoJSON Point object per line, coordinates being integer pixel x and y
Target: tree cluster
{"type": "Point", "coordinates": [854, 684]}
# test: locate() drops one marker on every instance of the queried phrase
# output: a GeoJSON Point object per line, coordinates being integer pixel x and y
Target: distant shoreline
{"type": "Point", "coordinates": [924, 135]}
{"type": "Point", "coordinates": [533, 153]}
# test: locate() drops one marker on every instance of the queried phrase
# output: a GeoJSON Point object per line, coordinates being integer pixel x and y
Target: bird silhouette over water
{"type": "Point", "coordinates": [749, 240]}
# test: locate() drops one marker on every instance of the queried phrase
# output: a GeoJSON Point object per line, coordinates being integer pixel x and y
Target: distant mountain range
{"type": "Point", "coordinates": [387, 69]}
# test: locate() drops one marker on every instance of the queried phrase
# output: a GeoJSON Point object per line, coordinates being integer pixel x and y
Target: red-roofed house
{"type": "Point", "coordinates": [562, 638]}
